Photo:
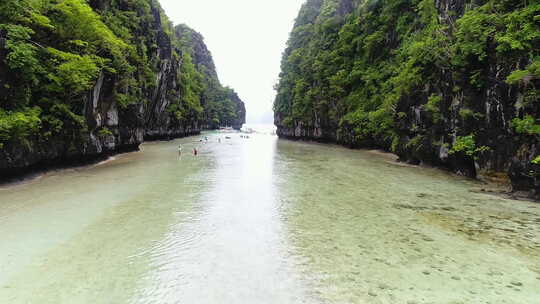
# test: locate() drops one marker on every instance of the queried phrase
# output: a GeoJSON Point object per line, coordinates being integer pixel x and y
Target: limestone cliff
{"type": "Point", "coordinates": [80, 80]}
{"type": "Point", "coordinates": [222, 106]}
{"type": "Point", "coordinates": [443, 82]}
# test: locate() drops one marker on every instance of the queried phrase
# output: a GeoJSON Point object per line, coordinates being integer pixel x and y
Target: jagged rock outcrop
{"type": "Point", "coordinates": [159, 122]}
{"type": "Point", "coordinates": [70, 95]}
{"type": "Point", "coordinates": [448, 83]}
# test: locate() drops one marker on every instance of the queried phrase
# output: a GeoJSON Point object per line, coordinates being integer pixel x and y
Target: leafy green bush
{"type": "Point", "coordinates": [532, 71]}
{"type": "Point", "coordinates": [22, 56]}
{"type": "Point", "coordinates": [74, 19]}
{"type": "Point", "coordinates": [433, 106]}
{"type": "Point", "coordinates": [124, 100]}
{"type": "Point", "coordinates": [527, 125]}
{"type": "Point", "coordinates": [467, 145]}
{"type": "Point", "coordinates": [74, 73]}
{"type": "Point", "coordinates": [104, 132]}
{"type": "Point", "coordinates": [20, 124]}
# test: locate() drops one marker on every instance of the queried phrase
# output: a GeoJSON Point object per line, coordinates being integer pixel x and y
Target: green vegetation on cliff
{"type": "Point", "coordinates": [53, 53]}
{"type": "Point", "coordinates": [50, 62]}
{"type": "Point", "coordinates": [220, 106]}
{"type": "Point", "coordinates": [418, 77]}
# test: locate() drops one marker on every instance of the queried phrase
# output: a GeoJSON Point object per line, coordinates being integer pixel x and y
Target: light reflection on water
{"type": "Point", "coordinates": [238, 252]}
{"type": "Point", "coordinates": [262, 220]}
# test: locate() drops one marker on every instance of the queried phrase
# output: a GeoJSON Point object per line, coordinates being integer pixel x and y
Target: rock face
{"type": "Point", "coordinates": [240, 109]}
{"type": "Point", "coordinates": [438, 82]}
{"type": "Point", "coordinates": [154, 98]}
{"type": "Point", "coordinates": [160, 123]}
{"type": "Point", "coordinates": [222, 106]}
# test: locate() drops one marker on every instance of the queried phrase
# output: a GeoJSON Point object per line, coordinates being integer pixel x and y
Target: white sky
{"type": "Point", "coordinates": [246, 38]}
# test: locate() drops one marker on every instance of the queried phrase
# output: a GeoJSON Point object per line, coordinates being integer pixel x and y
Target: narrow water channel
{"type": "Point", "coordinates": [262, 220]}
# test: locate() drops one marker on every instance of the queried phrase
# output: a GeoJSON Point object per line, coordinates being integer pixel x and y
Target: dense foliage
{"type": "Point", "coordinates": [53, 52]}
{"type": "Point", "coordinates": [48, 63]}
{"type": "Point", "coordinates": [419, 79]}
{"type": "Point", "coordinates": [220, 104]}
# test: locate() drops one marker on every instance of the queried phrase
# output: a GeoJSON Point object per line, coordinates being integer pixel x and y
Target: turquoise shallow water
{"type": "Point", "coordinates": [262, 220]}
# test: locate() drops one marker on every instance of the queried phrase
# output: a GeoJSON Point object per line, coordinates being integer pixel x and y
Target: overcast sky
{"type": "Point", "coordinates": [246, 38]}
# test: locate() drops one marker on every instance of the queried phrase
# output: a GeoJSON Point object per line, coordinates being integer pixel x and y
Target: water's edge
{"type": "Point", "coordinates": [263, 220]}
{"type": "Point", "coordinates": [15, 176]}
{"type": "Point", "coordinates": [500, 188]}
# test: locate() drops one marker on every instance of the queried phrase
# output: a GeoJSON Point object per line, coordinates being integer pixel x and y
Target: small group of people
{"type": "Point", "coordinates": [195, 151]}
{"type": "Point", "coordinates": [205, 140]}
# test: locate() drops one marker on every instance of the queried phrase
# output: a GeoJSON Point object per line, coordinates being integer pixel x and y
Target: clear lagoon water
{"type": "Point", "coordinates": [263, 220]}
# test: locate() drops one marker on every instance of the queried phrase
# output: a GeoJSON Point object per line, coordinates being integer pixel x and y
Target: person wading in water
{"type": "Point", "coordinates": [195, 152]}
{"type": "Point", "coordinates": [179, 151]}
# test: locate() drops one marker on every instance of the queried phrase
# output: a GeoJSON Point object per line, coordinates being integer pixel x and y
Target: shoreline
{"type": "Point", "coordinates": [35, 176]}
{"type": "Point", "coordinates": [12, 177]}
{"type": "Point", "coordinates": [28, 175]}
{"type": "Point", "coordinates": [33, 173]}
{"type": "Point", "coordinates": [496, 186]}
